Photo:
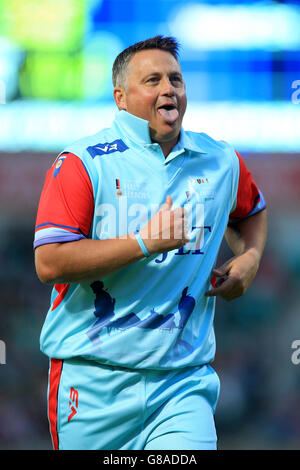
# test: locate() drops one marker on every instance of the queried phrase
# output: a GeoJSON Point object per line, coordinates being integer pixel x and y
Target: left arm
{"type": "Point", "coordinates": [246, 238]}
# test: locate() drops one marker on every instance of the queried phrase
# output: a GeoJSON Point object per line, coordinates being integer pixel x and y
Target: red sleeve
{"type": "Point", "coordinates": [249, 198]}
{"type": "Point", "coordinates": [66, 200]}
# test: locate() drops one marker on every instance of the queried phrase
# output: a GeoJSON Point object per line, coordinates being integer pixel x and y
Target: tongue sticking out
{"type": "Point", "coordinates": [169, 115]}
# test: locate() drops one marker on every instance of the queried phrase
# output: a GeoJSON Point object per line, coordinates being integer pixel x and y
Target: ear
{"type": "Point", "coordinates": [120, 97]}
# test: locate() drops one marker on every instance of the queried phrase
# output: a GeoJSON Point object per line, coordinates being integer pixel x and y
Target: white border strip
{"type": "Point", "coordinates": [33, 126]}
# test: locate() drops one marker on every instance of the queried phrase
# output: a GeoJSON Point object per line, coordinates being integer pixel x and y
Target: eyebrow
{"type": "Point", "coordinates": [158, 74]}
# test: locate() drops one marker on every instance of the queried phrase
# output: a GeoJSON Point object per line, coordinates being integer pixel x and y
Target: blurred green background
{"type": "Point", "coordinates": [241, 63]}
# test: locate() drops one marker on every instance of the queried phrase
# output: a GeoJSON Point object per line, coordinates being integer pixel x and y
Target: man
{"type": "Point", "coordinates": [128, 230]}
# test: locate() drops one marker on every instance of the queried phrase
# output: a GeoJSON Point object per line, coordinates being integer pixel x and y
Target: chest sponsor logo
{"type": "Point", "coordinates": [107, 148]}
{"type": "Point", "coordinates": [200, 188]}
{"type": "Point", "coordinates": [136, 190]}
{"type": "Point", "coordinates": [132, 190]}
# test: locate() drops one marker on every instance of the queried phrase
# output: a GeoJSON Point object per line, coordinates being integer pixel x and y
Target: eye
{"type": "Point", "coordinates": [152, 79]}
{"type": "Point", "coordinates": [176, 79]}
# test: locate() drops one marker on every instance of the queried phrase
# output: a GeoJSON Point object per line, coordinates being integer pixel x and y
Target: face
{"type": "Point", "coordinates": [155, 92]}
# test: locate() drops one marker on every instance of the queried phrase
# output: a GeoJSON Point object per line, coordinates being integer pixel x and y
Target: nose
{"type": "Point", "coordinates": [167, 88]}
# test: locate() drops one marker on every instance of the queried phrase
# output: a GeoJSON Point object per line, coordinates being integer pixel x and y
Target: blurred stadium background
{"type": "Point", "coordinates": [241, 63]}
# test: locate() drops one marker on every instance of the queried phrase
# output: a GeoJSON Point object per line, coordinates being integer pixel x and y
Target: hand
{"type": "Point", "coordinates": [166, 230]}
{"type": "Point", "coordinates": [235, 276]}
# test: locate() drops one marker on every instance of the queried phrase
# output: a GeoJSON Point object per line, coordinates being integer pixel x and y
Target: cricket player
{"type": "Point", "coordinates": [128, 230]}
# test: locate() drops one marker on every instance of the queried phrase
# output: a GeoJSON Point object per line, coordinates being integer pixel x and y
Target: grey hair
{"type": "Point", "coordinates": [120, 66]}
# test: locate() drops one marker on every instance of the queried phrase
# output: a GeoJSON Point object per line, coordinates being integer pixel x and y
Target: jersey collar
{"type": "Point", "coordinates": [137, 130]}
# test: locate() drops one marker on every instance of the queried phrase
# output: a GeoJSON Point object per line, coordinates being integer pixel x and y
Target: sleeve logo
{"type": "Point", "coordinates": [58, 166]}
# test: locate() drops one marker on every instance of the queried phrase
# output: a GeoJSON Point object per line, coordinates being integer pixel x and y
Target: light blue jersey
{"type": "Point", "coordinates": [152, 314]}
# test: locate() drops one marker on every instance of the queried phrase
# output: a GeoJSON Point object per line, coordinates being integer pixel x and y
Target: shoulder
{"type": "Point", "coordinates": [80, 147]}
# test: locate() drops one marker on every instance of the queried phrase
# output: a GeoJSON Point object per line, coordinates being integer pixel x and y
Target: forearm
{"type": "Point", "coordinates": [248, 235]}
{"type": "Point", "coordinates": [85, 260]}
{"type": "Point", "coordinates": [247, 240]}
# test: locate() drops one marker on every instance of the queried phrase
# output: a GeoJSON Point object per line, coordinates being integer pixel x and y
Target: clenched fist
{"type": "Point", "coordinates": [166, 230]}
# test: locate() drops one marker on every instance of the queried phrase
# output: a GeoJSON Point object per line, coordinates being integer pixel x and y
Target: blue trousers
{"type": "Point", "coordinates": [92, 406]}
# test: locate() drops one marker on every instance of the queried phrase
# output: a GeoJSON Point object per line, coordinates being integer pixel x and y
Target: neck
{"type": "Point", "coordinates": [167, 147]}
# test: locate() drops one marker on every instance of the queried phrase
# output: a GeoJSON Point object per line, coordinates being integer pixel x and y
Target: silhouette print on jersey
{"type": "Point", "coordinates": [104, 312]}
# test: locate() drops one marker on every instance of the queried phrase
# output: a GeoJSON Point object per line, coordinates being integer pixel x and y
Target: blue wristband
{"type": "Point", "coordinates": [141, 243]}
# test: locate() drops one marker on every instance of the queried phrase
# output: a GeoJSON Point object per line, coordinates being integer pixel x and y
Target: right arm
{"type": "Point", "coordinates": [87, 259]}
{"type": "Point", "coordinates": [84, 260]}
{"type": "Point", "coordinates": [63, 251]}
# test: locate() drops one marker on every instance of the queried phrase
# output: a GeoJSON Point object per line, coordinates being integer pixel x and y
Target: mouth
{"type": "Point", "coordinates": [168, 112]}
